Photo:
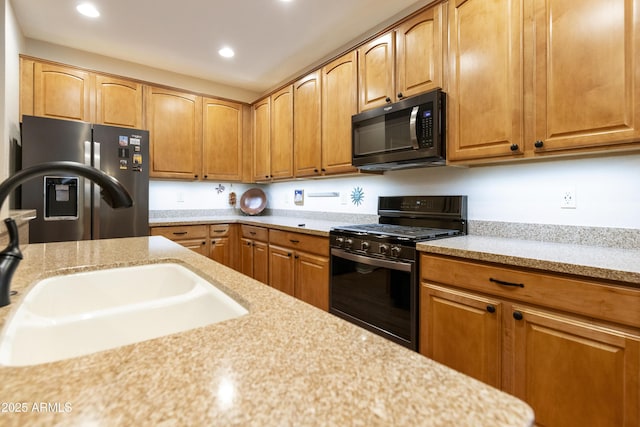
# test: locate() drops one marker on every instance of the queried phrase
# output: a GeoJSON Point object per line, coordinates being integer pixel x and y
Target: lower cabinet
{"type": "Point", "coordinates": [194, 237]}
{"type": "Point", "coordinates": [299, 266]}
{"type": "Point", "coordinates": [569, 347]}
{"type": "Point", "coordinates": [254, 252]}
{"type": "Point", "coordinates": [221, 243]}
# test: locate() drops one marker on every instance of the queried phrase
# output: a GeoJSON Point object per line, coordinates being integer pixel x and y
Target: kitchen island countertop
{"type": "Point", "coordinates": [284, 363]}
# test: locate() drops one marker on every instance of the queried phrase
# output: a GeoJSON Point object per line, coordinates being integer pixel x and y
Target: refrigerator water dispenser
{"type": "Point", "coordinates": [60, 198]}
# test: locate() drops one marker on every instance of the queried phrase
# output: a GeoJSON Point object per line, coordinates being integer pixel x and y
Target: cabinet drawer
{"type": "Point", "coordinates": [181, 232]}
{"type": "Point", "coordinates": [219, 230]}
{"type": "Point", "coordinates": [255, 233]}
{"type": "Point", "coordinates": [304, 242]}
{"type": "Point", "coordinates": [616, 303]}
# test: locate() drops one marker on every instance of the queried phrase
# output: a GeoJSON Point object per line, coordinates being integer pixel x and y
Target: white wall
{"type": "Point", "coordinates": [180, 195]}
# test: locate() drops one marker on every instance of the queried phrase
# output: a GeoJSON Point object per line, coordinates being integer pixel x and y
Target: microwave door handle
{"type": "Point", "coordinates": [412, 127]}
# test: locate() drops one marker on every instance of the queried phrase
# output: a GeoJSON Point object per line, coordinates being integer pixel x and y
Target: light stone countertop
{"type": "Point", "coordinates": [589, 261]}
{"type": "Point", "coordinates": [284, 363]}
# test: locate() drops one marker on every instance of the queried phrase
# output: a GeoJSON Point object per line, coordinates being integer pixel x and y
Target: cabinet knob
{"type": "Point", "coordinates": [517, 315]}
{"type": "Point", "coordinates": [400, 95]}
{"type": "Point", "coordinates": [316, 170]}
{"type": "Point", "coordinates": [323, 170]}
{"type": "Point", "coordinates": [204, 243]}
{"type": "Point", "coordinates": [206, 176]}
{"type": "Point", "coordinates": [538, 144]}
{"type": "Point", "coordinates": [514, 147]}
{"type": "Point", "coordinates": [195, 176]}
{"type": "Point", "coordinates": [491, 308]}
{"type": "Point", "coordinates": [296, 257]}
{"type": "Point", "coordinates": [266, 176]}
{"type": "Point", "coordinates": [289, 254]}
{"type": "Point", "coordinates": [387, 100]}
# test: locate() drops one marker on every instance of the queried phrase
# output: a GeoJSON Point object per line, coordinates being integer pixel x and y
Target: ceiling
{"type": "Point", "coordinates": [273, 40]}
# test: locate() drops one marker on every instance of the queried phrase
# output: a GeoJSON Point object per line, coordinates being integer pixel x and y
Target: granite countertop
{"type": "Point", "coordinates": [590, 261]}
{"type": "Point", "coordinates": [286, 223]}
{"type": "Point", "coordinates": [284, 363]}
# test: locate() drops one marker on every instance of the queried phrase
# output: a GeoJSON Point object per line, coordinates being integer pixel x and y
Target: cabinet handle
{"type": "Point", "coordinates": [253, 233]}
{"type": "Point", "coordinates": [538, 144]}
{"type": "Point", "coordinates": [400, 95]}
{"type": "Point", "coordinates": [316, 170]}
{"type": "Point", "coordinates": [323, 170]}
{"type": "Point", "coordinates": [206, 176]}
{"type": "Point", "coordinates": [195, 176]}
{"type": "Point", "coordinates": [248, 243]}
{"type": "Point", "coordinates": [266, 176]}
{"type": "Point", "coordinates": [514, 147]}
{"type": "Point", "coordinates": [517, 315]}
{"type": "Point", "coordinates": [213, 242]}
{"type": "Point", "coordinates": [289, 254]}
{"type": "Point", "coordinates": [219, 231]}
{"type": "Point", "coordinates": [503, 283]}
{"type": "Point", "coordinates": [294, 241]}
{"type": "Point", "coordinates": [296, 257]}
{"type": "Point", "coordinates": [491, 308]}
{"type": "Point", "coordinates": [179, 233]}
{"type": "Point", "coordinates": [387, 100]}
{"type": "Point", "coordinates": [204, 243]}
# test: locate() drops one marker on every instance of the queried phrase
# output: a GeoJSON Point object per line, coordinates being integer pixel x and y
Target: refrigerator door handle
{"type": "Point", "coordinates": [87, 196]}
{"type": "Point", "coordinates": [96, 194]}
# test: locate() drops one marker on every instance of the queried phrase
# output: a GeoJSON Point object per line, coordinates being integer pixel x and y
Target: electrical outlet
{"type": "Point", "coordinates": [568, 198]}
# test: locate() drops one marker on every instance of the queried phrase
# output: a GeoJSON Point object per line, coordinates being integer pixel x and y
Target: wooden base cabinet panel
{"type": "Point", "coordinates": [574, 373]}
{"type": "Point", "coordinates": [281, 269]}
{"type": "Point", "coordinates": [312, 284]}
{"type": "Point", "coordinates": [194, 237]}
{"type": "Point", "coordinates": [254, 252]}
{"type": "Point", "coordinates": [463, 331]}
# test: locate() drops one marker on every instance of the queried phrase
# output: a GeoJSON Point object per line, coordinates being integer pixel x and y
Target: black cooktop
{"type": "Point", "coordinates": [402, 231]}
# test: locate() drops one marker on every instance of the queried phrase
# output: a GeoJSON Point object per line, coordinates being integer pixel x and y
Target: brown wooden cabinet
{"type": "Point", "coordinates": [282, 134]}
{"type": "Point", "coordinates": [222, 140]}
{"type": "Point", "coordinates": [533, 78]}
{"type": "Point", "coordinates": [118, 102]}
{"type": "Point", "coordinates": [299, 266]}
{"type": "Point", "coordinates": [254, 252]}
{"type": "Point", "coordinates": [307, 125]}
{"type": "Point", "coordinates": [221, 243]}
{"type": "Point", "coordinates": [70, 93]}
{"type": "Point", "coordinates": [339, 103]}
{"type": "Point", "coordinates": [194, 237]}
{"type": "Point", "coordinates": [402, 62]}
{"type": "Point", "coordinates": [262, 140]}
{"type": "Point", "coordinates": [174, 120]}
{"type": "Point", "coordinates": [568, 346]}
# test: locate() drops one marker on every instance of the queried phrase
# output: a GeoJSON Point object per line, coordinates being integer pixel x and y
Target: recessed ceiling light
{"type": "Point", "coordinates": [226, 52]}
{"type": "Point", "coordinates": [87, 9]}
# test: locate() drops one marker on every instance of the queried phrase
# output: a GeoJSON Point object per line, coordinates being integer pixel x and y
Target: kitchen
{"type": "Point", "coordinates": [508, 195]}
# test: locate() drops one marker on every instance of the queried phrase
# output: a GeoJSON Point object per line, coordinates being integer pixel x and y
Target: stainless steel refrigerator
{"type": "Point", "coordinates": [70, 207]}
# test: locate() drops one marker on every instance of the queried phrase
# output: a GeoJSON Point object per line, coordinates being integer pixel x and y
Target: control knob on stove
{"type": "Point", "coordinates": [384, 249]}
{"type": "Point", "coordinates": [339, 241]}
{"type": "Point", "coordinates": [348, 243]}
{"type": "Point", "coordinates": [364, 246]}
{"type": "Point", "coordinates": [395, 251]}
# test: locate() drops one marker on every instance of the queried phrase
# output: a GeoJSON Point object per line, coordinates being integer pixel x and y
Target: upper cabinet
{"type": "Point", "coordinates": [531, 78]}
{"type": "Point", "coordinates": [118, 102]}
{"type": "Point", "coordinates": [485, 97]}
{"type": "Point", "coordinates": [222, 138]}
{"type": "Point", "coordinates": [586, 83]}
{"type": "Point", "coordinates": [339, 103]}
{"type": "Point", "coordinates": [61, 92]}
{"type": "Point", "coordinates": [262, 140]}
{"type": "Point", "coordinates": [307, 125]}
{"type": "Point", "coordinates": [174, 120]}
{"type": "Point", "coordinates": [282, 133]}
{"type": "Point", "coordinates": [402, 62]}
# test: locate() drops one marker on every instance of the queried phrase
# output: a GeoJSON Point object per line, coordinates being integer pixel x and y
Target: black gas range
{"type": "Point", "coordinates": [374, 267]}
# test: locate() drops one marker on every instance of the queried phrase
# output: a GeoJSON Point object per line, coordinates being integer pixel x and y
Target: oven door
{"type": "Point", "coordinates": [377, 294]}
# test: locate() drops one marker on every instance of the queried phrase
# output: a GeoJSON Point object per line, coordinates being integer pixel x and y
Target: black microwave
{"type": "Point", "coordinates": [406, 134]}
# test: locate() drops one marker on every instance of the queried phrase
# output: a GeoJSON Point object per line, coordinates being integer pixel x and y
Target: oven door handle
{"type": "Point", "coordinates": [375, 262]}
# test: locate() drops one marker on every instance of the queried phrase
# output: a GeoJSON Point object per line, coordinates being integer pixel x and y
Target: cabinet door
{"type": "Point", "coordinates": [118, 102]}
{"type": "Point", "coordinates": [586, 83]}
{"type": "Point", "coordinates": [261, 261]}
{"type": "Point", "coordinates": [574, 373]}
{"type": "Point", "coordinates": [307, 125]}
{"type": "Point", "coordinates": [219, 250]}
{"type": "Point", "coordinates": [463, 331]}
{"type": "Point", "coordinates": [222, 140]}
{"type": "Point", "coordinates": [246, 254]}
{"type": "Point", "coordinates": [199, 246]}
{"type": "Point", "coordinates": [419, 53]}
{"type": "Point", "coordinates": [376, 70]}
{"type": "Point", "coordinates": [339, 103]}
{"type": "Point", "coordinates": [62, 93]}
{"type": "Point", "coordinates": [282, 133]}
{"type": "Point", "coordinates": [174, 120]}
{"type": "Point", "coordinates": [281, 269]}
{"type": "Point", "coordinates": [262, 140]}
{"type": "Point", "coordinates": [485, 111]}
{"type": "Point", "coordinates": [312, 279]}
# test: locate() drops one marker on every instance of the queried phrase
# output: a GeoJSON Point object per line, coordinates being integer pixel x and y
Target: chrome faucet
{"type": "Point", "coordinates": [113, 193]}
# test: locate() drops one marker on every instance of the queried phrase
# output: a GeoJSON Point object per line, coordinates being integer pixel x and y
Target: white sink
{"type": "Point", "coordinates": [83, 313]}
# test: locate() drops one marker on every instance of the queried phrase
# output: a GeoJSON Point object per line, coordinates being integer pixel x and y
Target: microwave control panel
{"type": "Point", "coordinates": [425, 126]}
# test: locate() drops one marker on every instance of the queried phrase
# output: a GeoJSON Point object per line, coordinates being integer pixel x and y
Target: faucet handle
{"type": "Point", "coordinates": [9, 259]}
